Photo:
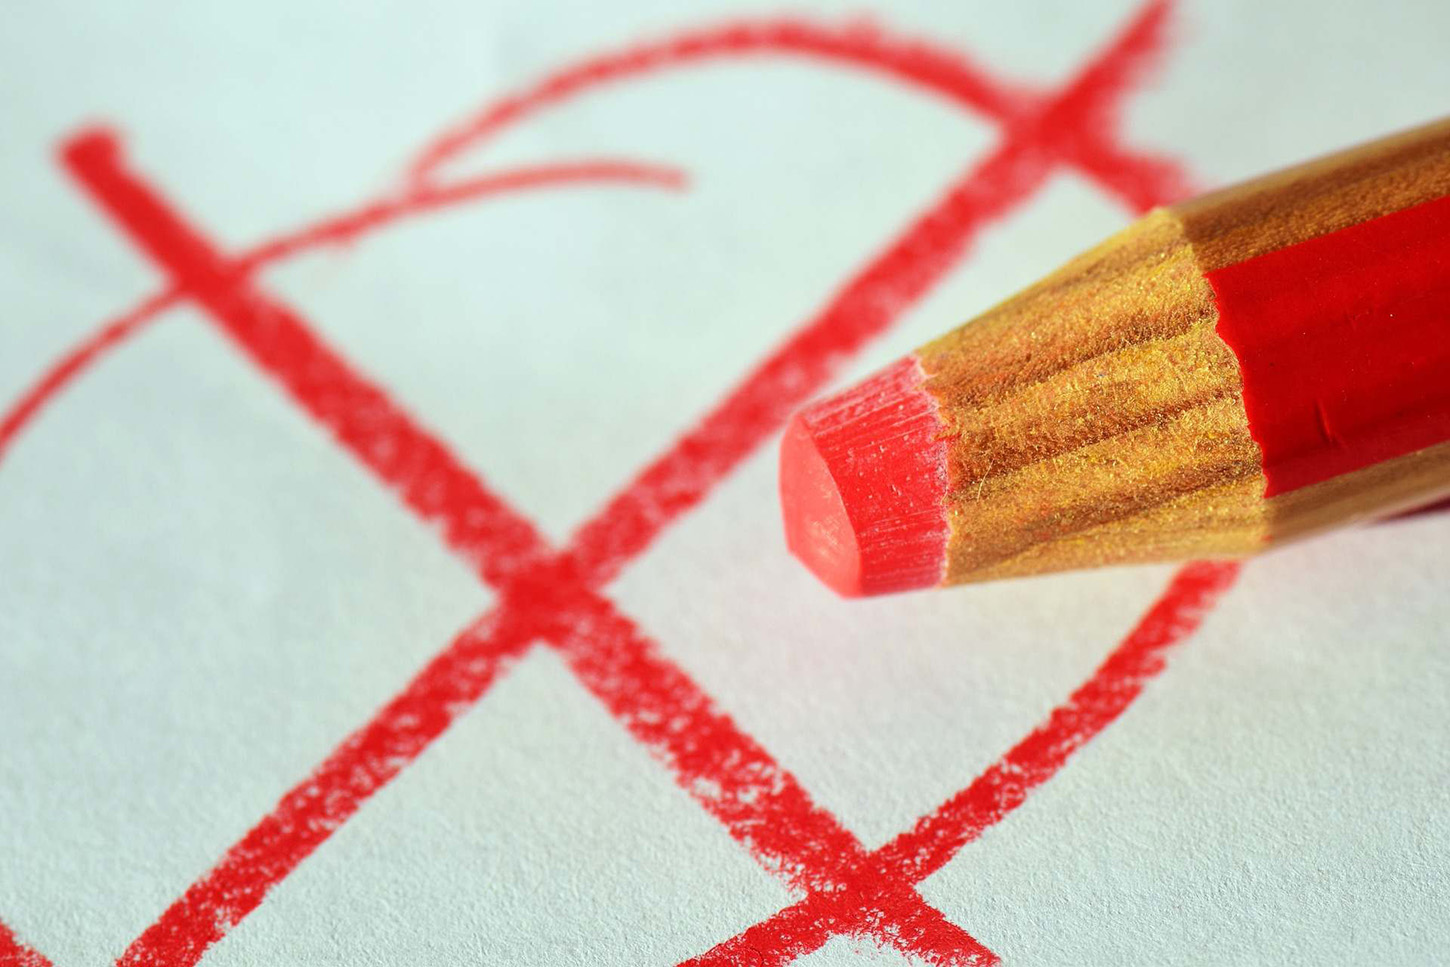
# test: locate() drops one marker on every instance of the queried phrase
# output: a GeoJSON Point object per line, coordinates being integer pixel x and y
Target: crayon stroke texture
{"type": "Point", "coordinates": [554, 595]}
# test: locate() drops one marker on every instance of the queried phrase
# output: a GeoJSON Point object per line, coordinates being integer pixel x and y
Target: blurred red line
{"type": "Point", "coordinates": [339, 229]}
{"type": "Point", "coordinates": [863, 46]}
{"type": "Point", "coordinates": [496, 541]}
{"type": "Point", "coordinates": [347, 227]}
{"type": "Point", "coordinates": [75, 361]}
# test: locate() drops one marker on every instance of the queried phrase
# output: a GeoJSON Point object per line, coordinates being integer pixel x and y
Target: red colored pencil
{"type": "Point", "coordinates": [1246, 368]}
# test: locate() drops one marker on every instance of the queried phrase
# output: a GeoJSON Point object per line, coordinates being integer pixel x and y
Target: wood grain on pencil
{"type": "Point", "coordinates": [1100, 417]}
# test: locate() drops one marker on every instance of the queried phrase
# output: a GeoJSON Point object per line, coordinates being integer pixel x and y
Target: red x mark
{"type": "Point", "coordinates": [553, 595]}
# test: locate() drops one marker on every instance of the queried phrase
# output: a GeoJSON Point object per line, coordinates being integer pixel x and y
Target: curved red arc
{"type": "Point", "coordinates": [337, 229]}
{"type": "Point", "coordinates": [919, 63]}
{"type": "Point", "coordinates": [76, 360]}
{"type": "Point", "coordinates": [369, 217]}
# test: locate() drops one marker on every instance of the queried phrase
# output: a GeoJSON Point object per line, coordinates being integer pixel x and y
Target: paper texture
{"type": "Point", "coordinates": [401, 581]}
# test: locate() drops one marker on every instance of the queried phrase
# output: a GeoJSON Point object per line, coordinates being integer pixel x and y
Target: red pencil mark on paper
{"type": "Point", "coordinates": [1139, 180]}
{"type": "Point", "coordinates": [935, 838]}
{"type": "Point", "coordinates": [335, 230]}
{"type": "Point", "coordinates": [13, 953]}
{"type": "Point", "coordinates": [553, 595]}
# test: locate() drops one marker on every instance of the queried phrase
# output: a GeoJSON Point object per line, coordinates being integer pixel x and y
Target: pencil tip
{"type": "Point", "coordinates": [817, 527]}
{"type": "Point", "coordinates": [863, 482]}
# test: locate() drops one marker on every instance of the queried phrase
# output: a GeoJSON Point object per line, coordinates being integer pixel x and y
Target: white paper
{"type": "Point", "coordinates": [203, 593]}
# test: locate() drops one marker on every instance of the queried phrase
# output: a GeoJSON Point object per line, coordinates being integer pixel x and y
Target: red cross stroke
{"type": "Point", "coordinates": [554, 595]}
